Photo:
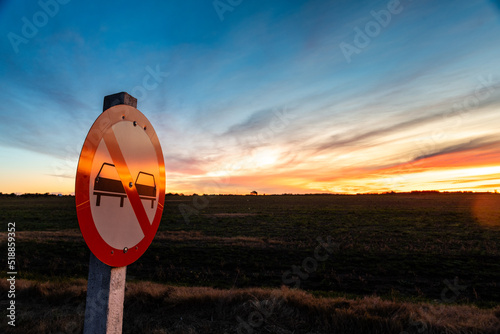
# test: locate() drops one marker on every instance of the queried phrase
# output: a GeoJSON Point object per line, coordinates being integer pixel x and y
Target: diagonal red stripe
{"type": "Point", "coordinates": [125, 177]}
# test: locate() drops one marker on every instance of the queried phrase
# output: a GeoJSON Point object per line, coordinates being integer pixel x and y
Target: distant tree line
{"type": "Point", "coordinates": [414, 192]}
{"type": "Point", "coordinates": [34, 195]}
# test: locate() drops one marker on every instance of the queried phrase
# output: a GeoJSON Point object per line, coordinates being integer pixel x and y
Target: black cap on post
{"type": "Point", "coordinates": [119, 98]}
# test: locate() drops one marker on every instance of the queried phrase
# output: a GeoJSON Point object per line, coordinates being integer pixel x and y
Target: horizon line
{"type": "Point", "coordinates": [18, 194]}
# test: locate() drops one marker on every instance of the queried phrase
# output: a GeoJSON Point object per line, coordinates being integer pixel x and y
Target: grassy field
{"type": "Point", "coordinates": [58, 307]}
{"type": "Point", "coordinates": [406, 249]}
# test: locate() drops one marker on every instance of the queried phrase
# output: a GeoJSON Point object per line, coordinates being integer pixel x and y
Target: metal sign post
{"type": "Point", "coordinates": [119, 193]}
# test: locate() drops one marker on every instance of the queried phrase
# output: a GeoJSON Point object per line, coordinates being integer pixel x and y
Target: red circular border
{"type": "Point", "coordinates": [109, 255]}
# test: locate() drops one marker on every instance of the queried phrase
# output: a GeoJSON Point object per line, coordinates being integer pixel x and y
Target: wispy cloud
{"type": "Point", "coordinates": [471, 145]}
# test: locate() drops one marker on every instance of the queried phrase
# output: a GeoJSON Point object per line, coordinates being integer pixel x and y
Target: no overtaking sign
{"type": "Point", "coordinates": [120, 186]}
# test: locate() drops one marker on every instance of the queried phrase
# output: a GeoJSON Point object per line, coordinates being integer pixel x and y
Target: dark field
{"type": "Point", "coordinates": [436, 248]}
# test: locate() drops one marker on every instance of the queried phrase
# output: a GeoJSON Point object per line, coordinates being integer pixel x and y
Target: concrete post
{"type": "Point", "coordinates": [119, 98]}
{"type": "Point", "coordinates": [106, 285]}
{"type": "Point", "coordinates": [105, 296]}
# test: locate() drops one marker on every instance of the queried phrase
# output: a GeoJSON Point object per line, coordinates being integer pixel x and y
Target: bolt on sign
{"type": "Point", "coordinates": [120, 186]}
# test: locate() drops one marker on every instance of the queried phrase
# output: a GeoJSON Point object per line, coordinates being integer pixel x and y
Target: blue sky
{"type": "Point", "coordinates": [258, 94]}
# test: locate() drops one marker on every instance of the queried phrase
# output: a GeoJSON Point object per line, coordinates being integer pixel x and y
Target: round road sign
{"type": "Point", "coordinates": [120, 186]}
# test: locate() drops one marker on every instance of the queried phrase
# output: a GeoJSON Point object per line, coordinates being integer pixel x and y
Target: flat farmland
{"type": "Point", "coordinates": [398, 245]}
{"type": "Point", "coordinates": [405, 248]}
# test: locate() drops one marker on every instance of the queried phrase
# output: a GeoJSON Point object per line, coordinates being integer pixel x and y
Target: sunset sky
{"type": "Point", "coordinates": [275, 96]}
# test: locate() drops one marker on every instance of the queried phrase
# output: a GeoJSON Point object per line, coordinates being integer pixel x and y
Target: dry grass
{"type": "Point", "coordinates": [164, 236]}
{"type": "Point", "coordinates": [200, 238]}
{"type": "Point", "coordinates": [45, 236]}
{"type": "Point", "coordinates": [154, 308]}
{"type": "Point", "coordinates": [232, 214]}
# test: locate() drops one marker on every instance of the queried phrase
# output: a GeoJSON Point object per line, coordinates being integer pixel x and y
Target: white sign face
{"type": "Point", "coordinates": [113, 214]}
{"type": "Point", "coordinates": [120, 186]}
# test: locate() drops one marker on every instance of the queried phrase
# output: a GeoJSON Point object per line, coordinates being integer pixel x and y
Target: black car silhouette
{"type": "Point", "coordinates": [114, 188]}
